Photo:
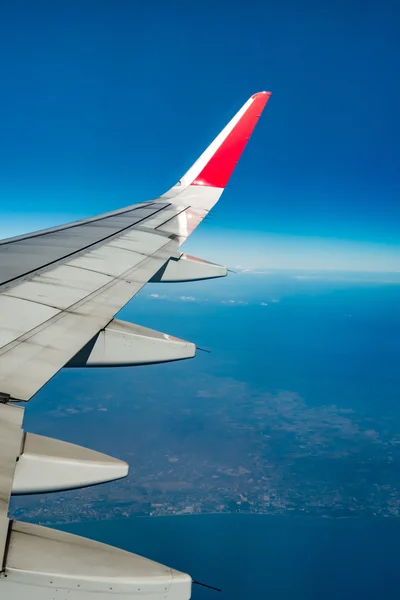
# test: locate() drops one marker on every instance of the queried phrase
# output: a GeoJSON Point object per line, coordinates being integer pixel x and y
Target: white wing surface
{"type": "Point", "coordinates": [60, 290]}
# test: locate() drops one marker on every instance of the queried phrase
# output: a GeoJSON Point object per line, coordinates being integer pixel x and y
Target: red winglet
{"type": "Point", "coordinates": [219, 168]}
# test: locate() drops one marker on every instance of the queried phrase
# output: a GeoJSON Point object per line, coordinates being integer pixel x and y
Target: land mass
{"type": "Point", "coordinates": [233, 450]}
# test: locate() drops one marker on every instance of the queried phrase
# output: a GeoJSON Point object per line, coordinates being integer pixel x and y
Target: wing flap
{"type": "Point", "coordinates": [163, 217]}
{"type": "Point", "coordinates": [17, 316]}
{"type": "Point", "coordinates": [108, 260]}
{"type": "Point", "coordinates": [60, 288]}
{"type": "Point", "coordinates": [145, 242]}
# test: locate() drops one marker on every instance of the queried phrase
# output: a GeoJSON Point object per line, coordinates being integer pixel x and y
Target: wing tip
{"type": "Point", "coordinates": [261, 94]}
{"type": "Point", "coordinates": [215, 166]}
{"type": "Point", "coordinates": [220, 165]}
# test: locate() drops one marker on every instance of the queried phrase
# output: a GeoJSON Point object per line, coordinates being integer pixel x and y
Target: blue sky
{"type": "Point", "coordinates": [105, 104]}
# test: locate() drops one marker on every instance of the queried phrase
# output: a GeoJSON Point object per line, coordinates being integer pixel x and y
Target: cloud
{"type": "Point", "coordinates": [204, 394]}
{"type": "Point", "coordinates": [251, 270]}
{"type": "Point", "coordinates": [263, 303]}
{"type": "Point", "coordinates": [187, 298]}
{"type": "Point", "coordinates": [157, 296]}
{"type": "Point", "coordinates": [233, 302]}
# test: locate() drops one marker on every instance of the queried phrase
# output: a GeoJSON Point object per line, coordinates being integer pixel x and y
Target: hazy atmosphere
{"type": "Point", "coordinates": [108, 105]}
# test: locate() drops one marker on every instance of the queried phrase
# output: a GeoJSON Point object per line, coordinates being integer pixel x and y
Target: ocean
{"type": "Point", "coordinates": [336, 345]}
{"type": "Point", "coordinates": [267, 557]}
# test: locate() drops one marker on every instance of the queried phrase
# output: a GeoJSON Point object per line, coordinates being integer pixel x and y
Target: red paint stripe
{"type": "Point", "coordinates": [219, 168]}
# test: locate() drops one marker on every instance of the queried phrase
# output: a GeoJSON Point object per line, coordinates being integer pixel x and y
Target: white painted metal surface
{"type": "Point", "coordinates": [108, 260]}
{"type": "Point", "coordinates": [164, 216]}
{"type": "Point", "coordinates": [45, 564]}
{"type": "Point", "coordinates": [49, 465]}
{"type": "Point", "coordinates": [198, 197]}
{"type": "Point", "coordinates": [189, 268]}
{"type": "Point", "coordinates": [127, 344]}
{"type": "Point", "coordinates": [139, 241]}
{"type": "Point", "coordinates": [184, 223]}
{"type": "Point", "coordinates": [10, 447]}
{"type": "Point", "coordinates": [60, 288]}
{"type": "Point", "coordinates": [19, 316]}
{"type": "Point", "coordinates": [43, 351]}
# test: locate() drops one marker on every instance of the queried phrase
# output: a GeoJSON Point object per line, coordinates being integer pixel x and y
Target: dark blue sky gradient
{"type": "Point", "coordinates": [107, 103]}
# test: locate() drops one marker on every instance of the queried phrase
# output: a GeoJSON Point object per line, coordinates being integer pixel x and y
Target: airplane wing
{"type": "Point", "coordinates": [60, 290]}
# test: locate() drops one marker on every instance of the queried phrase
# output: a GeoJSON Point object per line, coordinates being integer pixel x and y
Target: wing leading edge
{"type": "Point", "coordinates": [60, 290]}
